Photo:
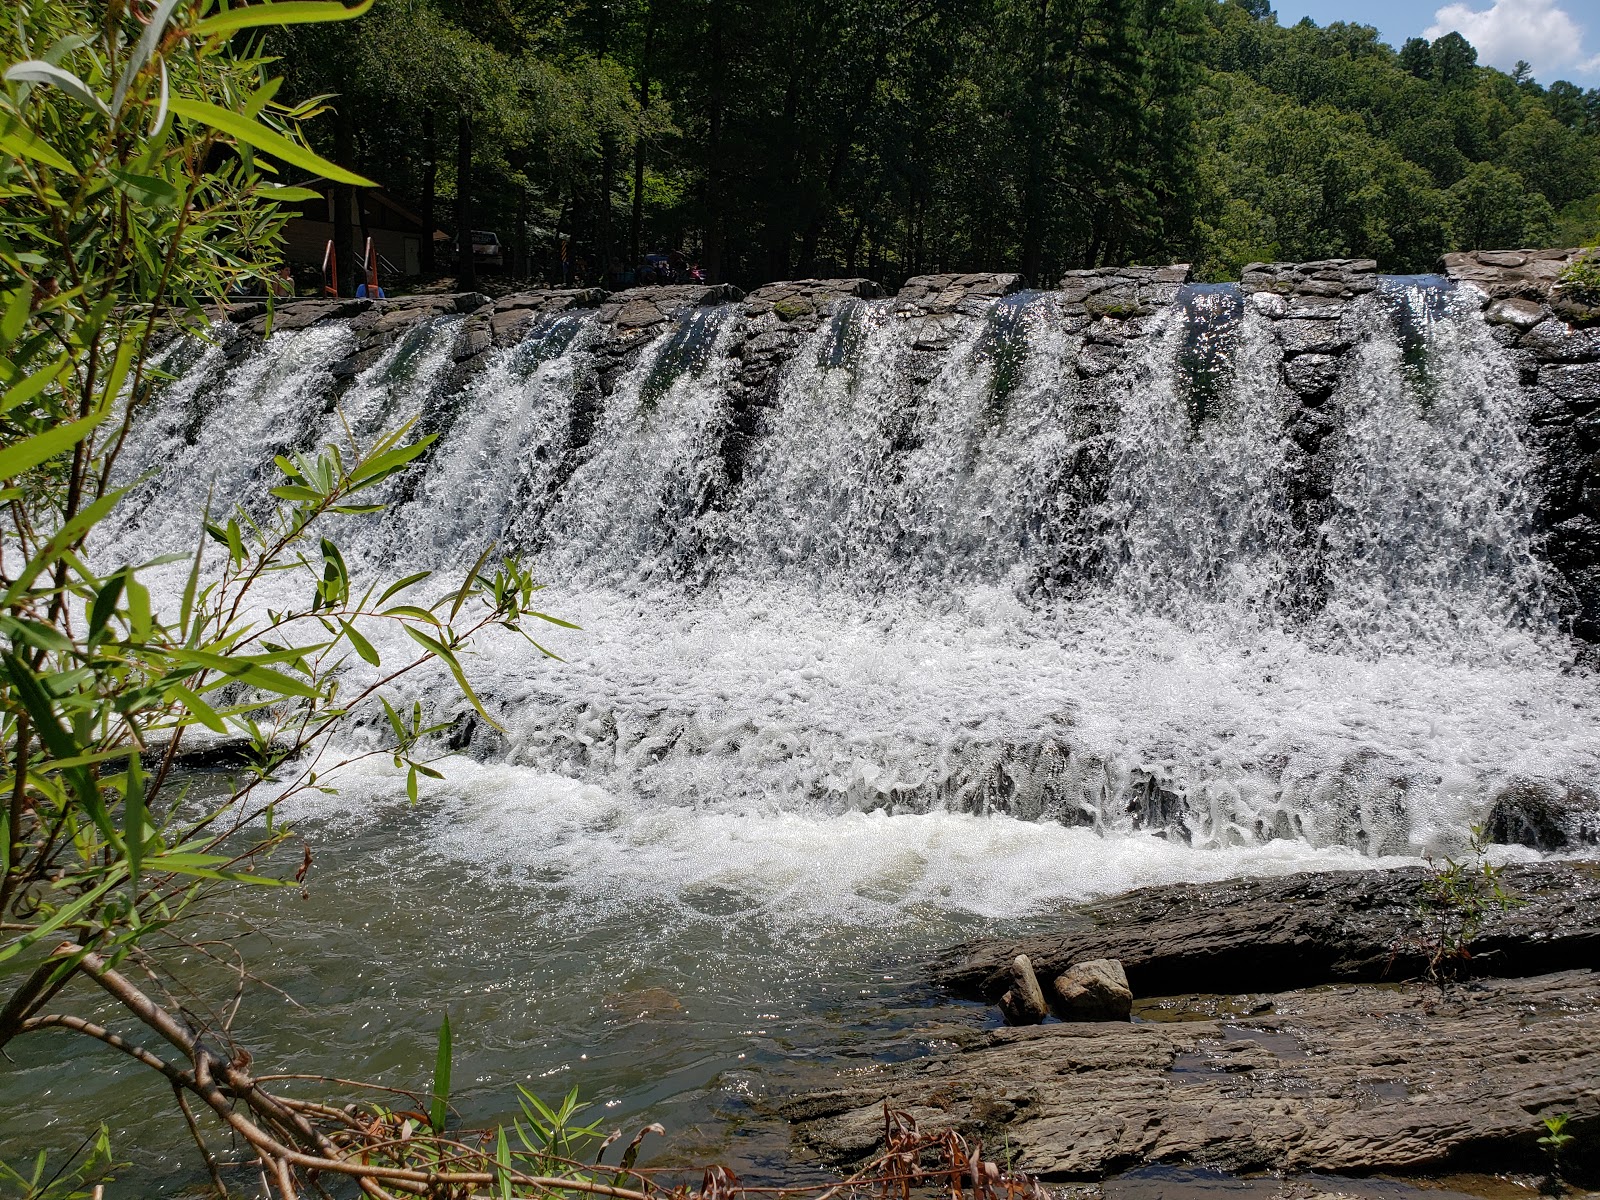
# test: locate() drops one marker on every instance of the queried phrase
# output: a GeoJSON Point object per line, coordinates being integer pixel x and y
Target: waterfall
{"type": "Point", "coordinates": [1126, 572]}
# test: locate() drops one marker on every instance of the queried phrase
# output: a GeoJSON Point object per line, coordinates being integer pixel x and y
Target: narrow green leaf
{"type": "Point", "coordinates": [105, 604]}
{"type": "Point", "coordinates": [555, 620]}
{"type": "Point", "coordinates": [186, 605]}
{"type": "Point", "coordinates": [282, 194]}
{"type": "Point", "coordinates": [246, 672]}
{"type": "Point", "coordinates": [62, 916]}
{"type": "Point", "coordinates": [441, 1078]}
{"type": "Point", "coordinates": [403, 584]}
{"type": "Point", "coordinates": [42, 447]}
{"type": "Point", "coordinates": [148, 41]}
{"type": "Point", "coordinates": [16, 138]}
{"type": "Point", "coordinates": [19, 303]}
{"type": "Point", "coordinates": [56, 547]}
{"type": "Point", "coordinates": [395, 723]}
{"type": "Point", "coordinates": [381, 466]}
{"type": "Point", "coordinates": [139, 624]}
{"type": "Point", "coordinates": [34, 70]}
{"type": "Point", "coordinates": [466, 584]}
{"type": "Point", "coordinates": [363, 647]}
{"type": "Point", "coordinates": [21, 393]}
{"type": "Point", "coordinates": [285, 12]}
{"type": "Point", "coordinates": [455, 669]}
{"type": "Point", "coordinates": [147, 189]}
{"type": "Point", "coordinates": [411, 610]}
{"type": "Point", "coordinates": [134, 820]}
{"type": "Point", "coordinates": [262, 138]}
{"type": "Point", "coordinates": [202, 711]}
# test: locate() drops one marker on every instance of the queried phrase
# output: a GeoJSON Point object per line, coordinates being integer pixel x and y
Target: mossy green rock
{"type": "Point", "coordinates": [791, 308]}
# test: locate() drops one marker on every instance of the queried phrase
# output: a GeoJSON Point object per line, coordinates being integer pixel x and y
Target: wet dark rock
{"type": "Point", "coordinates": [1556, 341]}
{"type": "Point", "coordinates": [1576, 382]}
{"type": "Point", "coordinates": [1269, 934]}
{"type": "Point", "coordinates": [1303, 335]}
{"type": "Point", "coordinates": [943, 293]}
{"type": "Point", "coordinates": [1341, 1079]}
{"type": "Point", "coordinates": [643, 307]}
{"type": "Point", "coordinates": [1312, 375]}
{"type": "Point", "coordinates": [1528, 274]}
{"type": "Point", "coordinates": [1096, 990]}
{"type": "Point", "coordinates": [1544, 815]}
{"type": "Point", "coordinates": [800, 300]}
{"type": "Point", "coordinates": [1269, 304]}
{"type": "Point", "coordinates": [1576, 309]}
{"type": "Point", "coordinates": [472, 342]}
{"type": "Point", "coordinates": [1023, 1002]}
{"type": "Point", "coordinates": [1316, 308]}
{"type": "Point", "coordinates": [300, 314]}
{"type": "Point", "coordinates": [1122, 291]}
{"type": "Point", "coordinates": [1328, 279]}
{"type": "Point", "coordinates": [221, 755]}
{"type": "Point", "coordinates": [1097, 360]}
{"type": "Point", "coordinates": [1516, 312]}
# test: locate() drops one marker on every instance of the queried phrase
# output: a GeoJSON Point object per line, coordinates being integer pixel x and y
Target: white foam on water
{"type": "Point", "coordinates": [856, 627]}
{"type": "Point", "coordinates": [607, 854]}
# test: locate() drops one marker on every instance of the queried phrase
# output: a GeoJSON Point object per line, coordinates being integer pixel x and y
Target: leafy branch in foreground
{"type": "Point", "coordinates": [137, 188]}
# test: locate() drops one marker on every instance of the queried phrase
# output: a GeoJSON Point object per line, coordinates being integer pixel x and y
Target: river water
{"type": "Point", "coordinates": [951, 645]}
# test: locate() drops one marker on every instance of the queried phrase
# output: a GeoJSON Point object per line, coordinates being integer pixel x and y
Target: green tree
{"type": "Point", "coordinates": [1493, 207]}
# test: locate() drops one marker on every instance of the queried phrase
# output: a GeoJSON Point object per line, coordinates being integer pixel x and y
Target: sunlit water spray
{"type": "Point", "coordinates": [968, 579]}
{"type": "Point", "coordinates": [970, 633]}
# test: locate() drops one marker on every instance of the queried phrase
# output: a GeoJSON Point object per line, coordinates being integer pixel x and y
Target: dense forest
{"type": "Point", "coordinates": [784, 138]}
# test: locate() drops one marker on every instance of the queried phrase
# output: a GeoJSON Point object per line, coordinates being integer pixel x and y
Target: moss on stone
{"type": "Point", "coordinates": [791, 308]}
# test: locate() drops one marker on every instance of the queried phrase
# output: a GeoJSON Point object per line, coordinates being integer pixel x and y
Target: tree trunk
{"type": "Point", "coordinates": [430, 184]}
{"type": "Point", "coordinates": [608, 176]}
{"type": "Point", "coordinates": [466, 268]}
{"type": "Point", "coordinates": [714, 198]}
{"type": "Point", "coordinates": [343, 199]}
{"type": "Point", "coordinates": [636, 226]}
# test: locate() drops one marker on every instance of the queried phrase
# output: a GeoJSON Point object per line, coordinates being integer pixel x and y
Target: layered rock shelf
{"type": "Point", "coordinates": [1253, 1046]}
{"type": "Point", "coordinates": [1345, 1079]}
{"type": "Point", "coordinates": [1298, 931]}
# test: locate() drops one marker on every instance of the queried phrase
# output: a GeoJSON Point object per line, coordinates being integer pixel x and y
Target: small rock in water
{"type": "Point", "coordinates": [1023, 1002]}
{"type": "Point", "coordinates": [1096, 990]}
{"type": "Point", "coordinates": [645, 1004]}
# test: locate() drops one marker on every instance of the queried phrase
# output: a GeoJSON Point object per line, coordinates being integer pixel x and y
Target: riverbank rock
{"type": "Point", "coordinates": [1096, 990]}
{"type": "Point", "coordinates": [1263, 935]}
{"type": "Point", "coordinates": [1023, 1002]}
{"type": "Point", "coordinates": [1544, 815]}
{"type": "Point", "coordinates": [1340, 1079]}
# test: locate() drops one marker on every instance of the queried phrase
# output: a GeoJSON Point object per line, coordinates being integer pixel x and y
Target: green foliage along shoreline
{"type": "Point", "coordinates": [783, 139]}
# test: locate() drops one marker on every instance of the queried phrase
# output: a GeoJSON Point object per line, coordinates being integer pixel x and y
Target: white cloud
{"type": "Point", "coordinates": [1537, 31]}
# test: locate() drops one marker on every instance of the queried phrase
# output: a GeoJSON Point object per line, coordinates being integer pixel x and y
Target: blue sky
{"type": "Point", "coordinates": [1560, 38]}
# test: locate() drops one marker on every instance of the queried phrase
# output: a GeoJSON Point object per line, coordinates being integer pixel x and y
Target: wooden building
{"type": "Point", "coordinates": [395, 230]}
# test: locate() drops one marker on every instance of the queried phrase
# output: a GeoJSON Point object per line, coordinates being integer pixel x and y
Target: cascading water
{"type": "Point", "coordinates": [1431, 535]}
{"type": "Point", "coordinates": [962, 574]}
{"type": "Point", "coordinates": [969, 613]}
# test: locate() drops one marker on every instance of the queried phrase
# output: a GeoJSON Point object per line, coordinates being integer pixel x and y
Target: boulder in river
{"type": "Point", "coordinates": [1023, 1002]}
{"type": "Point", "coordinates": [1096, 990]}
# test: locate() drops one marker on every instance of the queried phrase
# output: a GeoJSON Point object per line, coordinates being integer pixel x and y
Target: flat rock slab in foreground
{"type": "Point", "coordinates": [1338, 1079]}
{"type": "Point", "coordinates": [1264, 935]}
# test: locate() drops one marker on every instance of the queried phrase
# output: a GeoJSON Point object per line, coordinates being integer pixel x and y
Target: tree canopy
{"type": "Point", "coordinates": [892, 137]}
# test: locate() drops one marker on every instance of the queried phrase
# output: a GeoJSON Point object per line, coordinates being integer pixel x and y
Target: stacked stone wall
{"type": "Point", "coordinates": [1553, 337]}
